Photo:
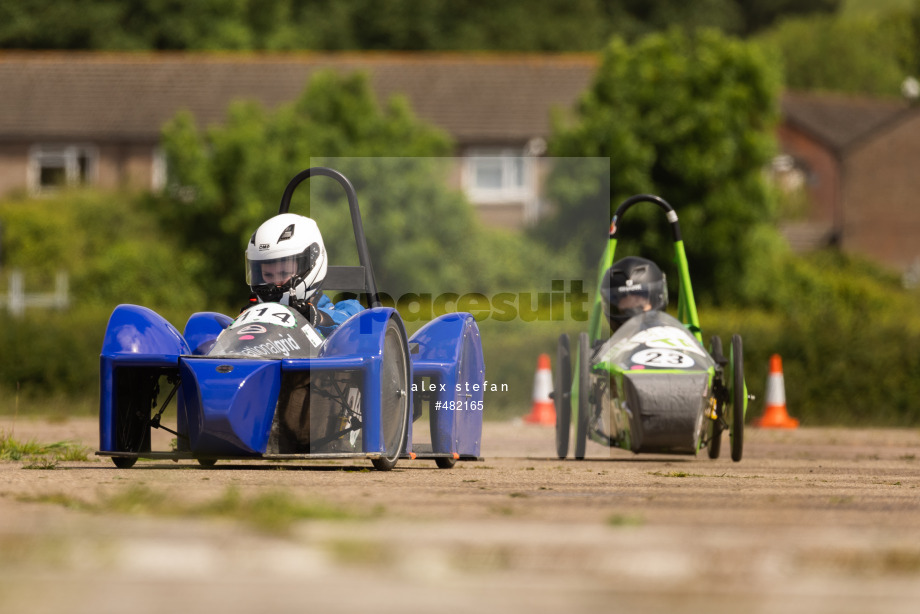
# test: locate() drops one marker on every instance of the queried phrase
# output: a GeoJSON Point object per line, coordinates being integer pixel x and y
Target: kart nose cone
{"type": "Point", "coordinates": [229, 406]}
{"type": "Point", "coordinates": [668, 409]}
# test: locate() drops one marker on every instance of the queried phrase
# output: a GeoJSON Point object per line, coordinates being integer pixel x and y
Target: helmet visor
{"type": "Point", "coordinates": [633, 299]}
{"type": "Point", "coordinates": [281, 272]}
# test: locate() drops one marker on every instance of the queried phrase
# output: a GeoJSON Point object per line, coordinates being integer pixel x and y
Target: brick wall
{"type": "Point", "coordinates": [881, 204]}
{"type": "Point", "coordinates": [823, 183]}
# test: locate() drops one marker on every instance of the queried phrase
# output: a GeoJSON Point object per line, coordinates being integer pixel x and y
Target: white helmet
{"type": "Point", "coordinates": [286, 259]}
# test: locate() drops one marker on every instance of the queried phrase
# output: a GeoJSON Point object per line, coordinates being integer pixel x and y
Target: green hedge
{"type": "Point", "coordinates": [867, 374]}
{"type": "Point", "coordinates": [835, 373]}
{"type": "Point", "coordinates": [848, 334]}
{"type": "Point", "coordinates": [849, 337]}
{"type": "Point", "coordinates": [56, 353]}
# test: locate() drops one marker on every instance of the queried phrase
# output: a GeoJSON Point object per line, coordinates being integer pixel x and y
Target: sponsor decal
{"type": "Point", "coordinates": [281, 345]}
{"type": "Point", "coordinates": [658, 337]}
{"type": "Point", "coordinates": [252, 329]}
{"type": "Point", "coordinates": [312, 335]}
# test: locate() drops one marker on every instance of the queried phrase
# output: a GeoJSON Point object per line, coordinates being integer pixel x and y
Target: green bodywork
{"type": "Point", "coordinates": [687, 315]}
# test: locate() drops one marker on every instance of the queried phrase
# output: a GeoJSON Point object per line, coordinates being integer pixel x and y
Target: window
{"type": "Point", "coordinates": [55, 166]}
{"type": "Point", "coordinates": [158, 170]}
{"type": "Point", "coordinates": [500, 175]}
{"type": "Point", "coordinates": [790, 174]}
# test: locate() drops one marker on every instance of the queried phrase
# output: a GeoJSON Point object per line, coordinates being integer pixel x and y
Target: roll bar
{"type": "Point", "coordinates": [346, 276]}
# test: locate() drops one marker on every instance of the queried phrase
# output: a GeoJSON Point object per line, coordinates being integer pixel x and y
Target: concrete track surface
{"type": "Point", "coordinates": [811, 520]}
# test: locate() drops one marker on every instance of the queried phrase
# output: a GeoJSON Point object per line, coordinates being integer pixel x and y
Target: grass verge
{"type": "Point", "coordinates": [40, 455]}
{"type": "Point", "coordinates": [273, 512]}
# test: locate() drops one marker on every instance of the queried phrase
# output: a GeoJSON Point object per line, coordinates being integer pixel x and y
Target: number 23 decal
{"type": "Point", "coordinates": [663, 359]}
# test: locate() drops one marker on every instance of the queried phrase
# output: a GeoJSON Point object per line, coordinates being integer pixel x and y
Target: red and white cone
{"type": "Point", "coordinates": [775, 416]}
{"type": "Point", "coordinates": [543, 411]}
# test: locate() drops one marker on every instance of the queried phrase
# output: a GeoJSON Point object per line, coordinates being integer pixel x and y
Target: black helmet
{"type": "Point", "coordinates": [633, 285]}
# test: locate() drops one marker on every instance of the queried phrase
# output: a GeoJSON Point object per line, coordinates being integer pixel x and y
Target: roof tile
{"type": "Point", "coordinates": [837, 120]}
{"type": "Point", "coordinates": [475, 97]}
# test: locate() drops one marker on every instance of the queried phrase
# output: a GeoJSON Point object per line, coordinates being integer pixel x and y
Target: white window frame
{"type": "Point", "coordinates": [510, 189]}
{"type": "Point", "coordinates": [159, 171]}
{"type": "Point", "coordinates": [789, 174]}
{"type": "Point", "coordinates": [66, 157]}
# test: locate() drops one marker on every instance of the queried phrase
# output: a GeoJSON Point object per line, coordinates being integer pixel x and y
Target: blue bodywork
{"type": "Point", "coordinates": [226, 406]}
{"type": "Point", "coordinates": [450, 356]}
{"type": "Point", "coordinates": [268, 385]}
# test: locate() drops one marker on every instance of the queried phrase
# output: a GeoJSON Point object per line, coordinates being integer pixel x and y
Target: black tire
{"type": "Point", "coordinates": [562, 395]}
{"type": "Point", "coordinates": [445, 462]}
{"type": "Point", "coordinates": [738, 397]}
{"type": "Point", "coordinates": [124, 462]}
{"type": "Point", "coordinates": [394, 395]}
{"type": "Point", "coordinates": [134, 392]}
{"type": "Point", "coordinates": [207, 462]}
{"type": "Point", "coordinates": [715, 426]}
{"type": "Point", "coordinates": [584, 395]}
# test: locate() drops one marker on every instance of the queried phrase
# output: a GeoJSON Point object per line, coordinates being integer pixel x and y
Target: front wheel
{"type": "Point", "coordinates": [738, 397]}
{"type": "Point", "coordinates": [584, 395]}
{"type": "Point", "coordinates": [135, 391]}
{"type": "Point", "coordinates": [562, 396]}
{"type": "Point", "coordinates": [394, 396]}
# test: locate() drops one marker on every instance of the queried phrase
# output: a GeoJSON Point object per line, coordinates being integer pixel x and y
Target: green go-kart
{"type": "Point", "coordinates": [651, 386]}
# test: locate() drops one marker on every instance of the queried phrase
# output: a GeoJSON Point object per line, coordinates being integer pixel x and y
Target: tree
{"type": "Point", "coordinates": [410, 25]}
{"type": "Point", "coordinates": [227, 180]}
{"type": "Point", "coordinates": [759, 15]}
{"type": "Point", "coordinates": [125, 24]}
{"type": "Point", "coordinates": [112, 252]}
{"type": "Point", "coordinates": [859, 54]}
{"type": "Point", "coordinates": [108, 245]}
{"type": "Point", "coordinates": [689, 117]}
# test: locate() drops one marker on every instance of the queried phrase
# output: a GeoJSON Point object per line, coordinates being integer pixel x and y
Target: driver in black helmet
{"type": "Point", "coordinates": [632, 286]}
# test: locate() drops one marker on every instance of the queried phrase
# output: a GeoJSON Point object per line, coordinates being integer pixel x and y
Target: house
{"type": "Point", "coordinates": [95, 118]}
{"type": "Point", "coordinates": [856, 160]}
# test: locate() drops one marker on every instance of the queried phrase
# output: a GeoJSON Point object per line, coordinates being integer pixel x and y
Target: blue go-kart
{"type": "Point", "coordinates": [267, 385]}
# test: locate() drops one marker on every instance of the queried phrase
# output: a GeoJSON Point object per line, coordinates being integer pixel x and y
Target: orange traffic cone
{"type": "Point", "coordinates": [775, 416]}
{"type": "Point", "coordinates": [544, 411]}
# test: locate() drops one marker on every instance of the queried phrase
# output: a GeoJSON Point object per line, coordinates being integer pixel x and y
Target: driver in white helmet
{"type": "Point", "coordinates": [286, 263]}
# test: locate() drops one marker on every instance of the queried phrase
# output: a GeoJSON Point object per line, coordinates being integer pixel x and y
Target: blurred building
{"type": "Point", "coordinates": [856, 163]}
{"type": "Point", "coordinates": [95, 118]}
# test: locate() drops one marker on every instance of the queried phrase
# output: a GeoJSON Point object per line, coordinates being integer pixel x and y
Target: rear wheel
{"type": "Point", "coordinates": [584, 395]}
{"type": "Point", "coordinates": [562, 395]}
{"type": "Point", "coordinates": [715, 433]}
{"type": "Point", "coordinates": [394, 396]}
{"type": "Point", "coordinates": [738, 397]}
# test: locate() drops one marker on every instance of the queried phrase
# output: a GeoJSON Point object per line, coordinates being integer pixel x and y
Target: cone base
{"type": "Point", "coordinates": [542, 413]}
{"type": "Point", "coordinates": [775, 417]}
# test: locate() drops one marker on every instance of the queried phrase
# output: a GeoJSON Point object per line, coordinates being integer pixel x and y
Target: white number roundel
{"type": "Point", "coordinates": [266, 313]}
{"type": "Point", "coordinates": [662, 359]}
